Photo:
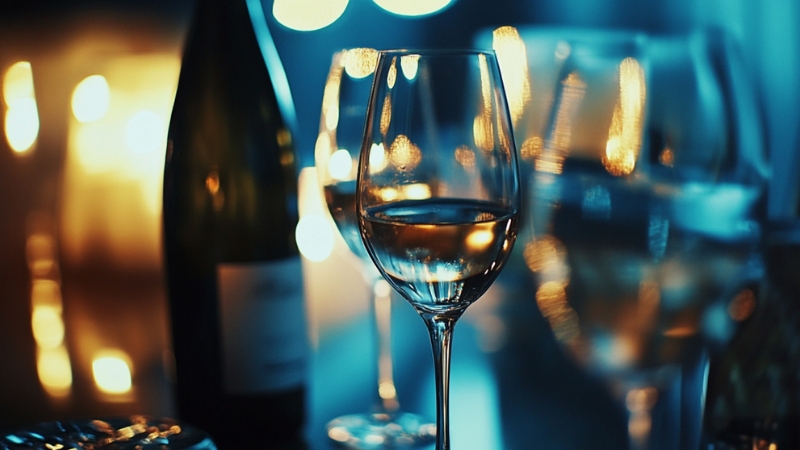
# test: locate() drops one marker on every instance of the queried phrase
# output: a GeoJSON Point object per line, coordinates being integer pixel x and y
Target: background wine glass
{"type": "Point", "coordinates": [344, 107]}
{"type": "Point", "coordinates": [645, 197]}
{"type": "Point", "coordinates": [438, 189]}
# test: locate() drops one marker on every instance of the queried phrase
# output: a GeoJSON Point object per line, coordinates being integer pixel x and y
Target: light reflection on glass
{"type": "Point", "coordinates": [479, 239]}
{"type": "Point", "coordinates": [386, 114]}
{"type": "Point", "coordinates": [360, 62]}
{"type": "Point", "coordinates": [404, 154]}
{"type": "Point", "coordinates": [624, 134]}
{"type": "Point", "coordinates": [483, 132]}
{"type": "Point", "coordinates": [391, 74]}
{"type": "Point", "coordinates": [513, 60]}
{"type": "Point", "coordinates": [409, 64]}
{"type": "Point", "coordinates": [308, 15]}
{"type": "Point", "coordinates": [416, 191]}
{"type": "Point", "coordinates": [22, 115]}
{"type": "Point", "coordinates": [377, 158]}
{"type": "Point", "coordinates": [465, 156]}
{"type": "Point", "coordinates": [531, 148]}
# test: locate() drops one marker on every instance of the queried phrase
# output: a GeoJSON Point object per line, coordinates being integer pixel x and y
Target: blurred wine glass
{"type": "Point", "coordinates": [644, 206]}
{"type": "Point", "coordinates": [344, 107]}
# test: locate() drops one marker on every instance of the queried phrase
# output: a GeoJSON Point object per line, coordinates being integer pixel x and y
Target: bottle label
{"type": "Point", "coordinates": [264, 339]}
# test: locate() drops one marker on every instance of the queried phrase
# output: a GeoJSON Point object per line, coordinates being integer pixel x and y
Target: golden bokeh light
{"type": "Point", "coordinates": [543, 254]}
{"type": "Point", "coordinates": [91, 98]}
{"type": "Point", "coordinates": [377, 158]}
{"type": "Point", "coordinates": [48, 326]}
{"type": "Point", "coordinates": [409, 64]}
{"type": "Point", "coordinates": [404, 154]}
{"type": "Point", "coordinates": [483, 132]}
{"type": "Point", "coordinates": [54, 370]}
{"type": "Point", "coordinates": [465, 156]}
{"type": "Point", "coordinates": [21, 122]}
{"type": "Point", "coordinates": [624, 134]}
{"type": "Point", "coordinates": [340, 165]}
{"type": "Point", "coordinates": [145, 132]}
{"type": "Point", "coordinates": [531, 148]}
{"type": "Point", "coordinates": [551, 298]}
{"type": "Point", "coordinates": [308, 15]}
{"type": "Point", "coordinates": [513, 60]}
{"type": "Point", "coordinates": [386, 115]}
{"type": "Point", "coordinates": [480, 239]}
{"type": "Point", "coordinates": [556, 147]}
{"type": "Point", "coordinates": [413, 8]}
{"type": "Point", "coordinates": [314, 237]}
{"type": "Point", "coordinates": [667, 157]}
{"type": "Point", "coordinates": [360, 62]}
{"type": "Point", "coordinates": [391, 74]}
{"type": "Point", "coordinates": [416, 191]}
{"type": "Point", "coordinates": [112, 372]}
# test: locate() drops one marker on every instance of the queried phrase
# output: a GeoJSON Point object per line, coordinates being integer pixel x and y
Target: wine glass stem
{"type": "Point", "coordinates": [382, 308]}
{"type": "Point", "coordinates": [440, 328]}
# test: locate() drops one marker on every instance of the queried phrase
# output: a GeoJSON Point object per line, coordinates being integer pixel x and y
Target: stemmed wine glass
{"type": "Point", "coordinates": [438, 188]}
{"type": "Point", "coordinates": [645, 200]}
{"type": "Point", "coordinates": [344, 107]}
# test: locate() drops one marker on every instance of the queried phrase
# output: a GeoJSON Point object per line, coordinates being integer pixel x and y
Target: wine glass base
{"type": "Point", "coordinates": [381, 430]}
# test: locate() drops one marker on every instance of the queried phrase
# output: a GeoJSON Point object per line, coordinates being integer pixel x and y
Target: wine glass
{"type": "Point", "coordinates": [438, 188]}
{"type": "Point", "coordinates": [645, 200]}
{"type": "Point", "coordinates": [344, 107]}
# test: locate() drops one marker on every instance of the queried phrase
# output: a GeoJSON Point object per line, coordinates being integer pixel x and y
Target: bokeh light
{"type": "Point", "coordinates": [308, 15]}
{"type": "Point", "coordinates": [91, 98]}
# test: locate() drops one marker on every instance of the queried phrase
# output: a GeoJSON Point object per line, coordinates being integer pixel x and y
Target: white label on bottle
{"type": "Point", "coordinates": [262, 313]}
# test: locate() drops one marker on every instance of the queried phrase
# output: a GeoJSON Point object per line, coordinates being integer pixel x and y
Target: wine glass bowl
{"type": "Point", "coordinates": [438, 187]}
{"type": "Point", "coordinates": [645, 203]}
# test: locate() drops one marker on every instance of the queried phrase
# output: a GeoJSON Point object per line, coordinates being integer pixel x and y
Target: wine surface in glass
{"type": "Point", "coordinates": [441, 255]}
{"type": "Point", "coordinates": [341, 201]}
{"type": "Point", "coordinates": [646, 264]}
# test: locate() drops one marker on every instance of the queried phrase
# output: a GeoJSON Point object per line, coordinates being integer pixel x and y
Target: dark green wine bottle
{"type": "Point", "coordinates": [232, 266]}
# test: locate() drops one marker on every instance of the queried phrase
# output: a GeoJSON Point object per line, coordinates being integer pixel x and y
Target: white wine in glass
{"type": "Point", "coordinates": [438, 188]}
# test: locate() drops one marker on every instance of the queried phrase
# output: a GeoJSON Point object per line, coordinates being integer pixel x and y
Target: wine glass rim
{"type": "Point", "coordinates": [436, 51]}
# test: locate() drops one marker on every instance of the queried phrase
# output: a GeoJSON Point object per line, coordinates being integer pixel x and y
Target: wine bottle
{"type": "Point", "coordinates": [232, 266]}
